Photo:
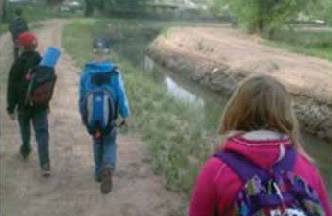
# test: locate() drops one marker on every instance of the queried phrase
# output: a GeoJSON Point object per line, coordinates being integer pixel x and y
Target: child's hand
{"type": "Point", "coordinates": [125, 121]}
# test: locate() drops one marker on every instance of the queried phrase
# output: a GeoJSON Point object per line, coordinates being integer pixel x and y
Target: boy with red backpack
{"type": "Point", "coordinates": [261, 168]}
{"type": "Point", "coordinates": [26, 111]}
{"type": "Point", "coordinates": [102, 98]}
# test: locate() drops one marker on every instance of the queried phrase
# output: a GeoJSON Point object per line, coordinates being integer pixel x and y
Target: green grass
{"type": "Point", "coordinates": [308, 41]}
{"type": "Point", "coordinates": [39, 13]}
{"type": "Point", "coordinates": [3, 28]}
{"type": "Point", "coordinates": [176, 141]}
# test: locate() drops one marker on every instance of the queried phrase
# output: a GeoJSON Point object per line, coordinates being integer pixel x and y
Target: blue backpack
{"type": "Point", "coordinates": [99, 111]}
{"type": "Point", "coordinates": [274, 192]}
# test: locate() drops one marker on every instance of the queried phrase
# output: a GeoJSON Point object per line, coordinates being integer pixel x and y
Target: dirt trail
{"type": "Point", "coordinates": [71, 190]}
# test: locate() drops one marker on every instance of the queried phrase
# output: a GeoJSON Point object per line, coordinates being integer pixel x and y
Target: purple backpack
{"type": "Point", "coordinates": [274, 192]}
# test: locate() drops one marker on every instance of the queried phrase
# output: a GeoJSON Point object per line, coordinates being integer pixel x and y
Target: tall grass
{"type": "Point", "coordinates": [310, 41]}
{"type": "Point", "coordinates": [171, 128]}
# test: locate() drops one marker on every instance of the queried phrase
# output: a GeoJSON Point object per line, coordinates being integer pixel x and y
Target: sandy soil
{"type": "Point", "coordinates": [71, 189]}
{"type": "Point", "coordinates": [302, 74]}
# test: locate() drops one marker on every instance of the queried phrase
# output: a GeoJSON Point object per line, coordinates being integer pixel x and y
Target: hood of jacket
{"type": "Point", "coordinates": [263, 148]}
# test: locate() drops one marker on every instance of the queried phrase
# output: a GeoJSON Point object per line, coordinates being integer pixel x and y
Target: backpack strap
{"type": "Point", "coordinates": [240, 165]}
{"type": "Point", "coordinates": [245, 169]}
{"type": "Point", "coordinates": [287, 162]}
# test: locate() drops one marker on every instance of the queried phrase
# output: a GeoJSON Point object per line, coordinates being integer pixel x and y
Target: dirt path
{"type": "Point", "coordinates": [71, 190]}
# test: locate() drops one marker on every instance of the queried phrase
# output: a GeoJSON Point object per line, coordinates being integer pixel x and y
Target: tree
{"type": "Point", "coordinates": [321, 10]}
{"type": "Point", "coordinates": [54, 2]}
{"type": "Point", "coordinates": [328, 13]}
{"type": "Point", "coordinates": [3, 10]}
{"type": "Point", "coordinates": [89, 7]}
{"type": "Point", "coordinates": [265, 15]}
{"type": "Point", "coordinates": [102, 5]}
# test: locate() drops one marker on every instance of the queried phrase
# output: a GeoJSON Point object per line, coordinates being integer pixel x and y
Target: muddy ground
{"type": "Point", "coordinates": [219, 57]}
{"type": "Point", "coordinates": [71, 189]}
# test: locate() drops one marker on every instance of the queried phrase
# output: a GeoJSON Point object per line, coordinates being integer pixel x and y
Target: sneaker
{"type": "Point", "coordinates": [25, 152]}
{"type": "Point", "coordinates": [106, 181]}
{"type": "Point", "coordinates": [46, 171]}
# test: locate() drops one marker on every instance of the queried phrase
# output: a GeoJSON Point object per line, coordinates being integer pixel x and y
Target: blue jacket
{"type": "Point", "coordinates": [116, 85]}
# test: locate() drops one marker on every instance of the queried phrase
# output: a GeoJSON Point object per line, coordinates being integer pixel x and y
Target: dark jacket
{"type": "Point", "coordinates": [17, 84]}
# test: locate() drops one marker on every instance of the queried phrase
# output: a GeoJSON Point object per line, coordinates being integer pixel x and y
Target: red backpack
{"type": "Point", "coordinates": [41, 82]}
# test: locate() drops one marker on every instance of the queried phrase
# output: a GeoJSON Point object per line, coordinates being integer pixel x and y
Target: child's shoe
{"type": "Point", "coordinates": [46, 171]}
{"type": "Point", "coordinates": [25, 152]}
{"type": "Point", "coordinates": [106, 180]}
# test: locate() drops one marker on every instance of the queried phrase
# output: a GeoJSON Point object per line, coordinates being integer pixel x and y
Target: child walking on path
{"type": "Point", "coordinates": [102, 97]}
{"type": "Point", "coordinates": [16, 95]}
{"type": "Point", "coordinates": [261, 167]}
{"type": "Point", "coordinates": [16, 28]}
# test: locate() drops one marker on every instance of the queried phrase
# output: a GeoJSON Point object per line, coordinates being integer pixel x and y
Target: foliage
{"type": "Point", "coordinates": [320, 10]}
{"type": "Point", "coordinates": [261, 15]}
{"type": "Point", "coordinates": [103, 5]}
{"type": "Point", "coordinates": [308, 40]}
{"type": "Point", "coordinates": [204, 2]}
{"type": "Point", "coordinates": [218, 9]}
{"type": "Point", "coordinates": [3, 10]}
{"type": "Point", "coordinates": [3, 27]}
{"type": "Point", "coordinates": [54, 2]}
{"type": "Point", "coordinates": [32, 12]}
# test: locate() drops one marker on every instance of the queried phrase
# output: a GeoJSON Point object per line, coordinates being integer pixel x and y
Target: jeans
{"type": "Point", "coordinates": [105, 152]}
{"type": "Point", "coordinates": [40, 124]}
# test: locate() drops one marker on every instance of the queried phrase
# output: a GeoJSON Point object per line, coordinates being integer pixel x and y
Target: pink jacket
{"type": "Point", "coordinates": [217, 185]}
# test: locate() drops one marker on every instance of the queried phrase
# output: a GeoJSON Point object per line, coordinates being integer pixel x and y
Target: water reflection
{"type": "Point", "coordinates": [148, 64]}
{"type": "Point", "coordinates": [178, 92]}
{"type": "Point", "coordinates": [172, 86]}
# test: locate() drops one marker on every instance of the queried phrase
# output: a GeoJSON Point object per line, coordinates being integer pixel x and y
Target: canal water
{"type": "Point", "coordinates": [209, 103]}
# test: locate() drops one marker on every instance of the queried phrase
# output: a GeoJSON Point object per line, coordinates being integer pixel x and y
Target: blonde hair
{"type": "Point", "coordinates": [261, 102]}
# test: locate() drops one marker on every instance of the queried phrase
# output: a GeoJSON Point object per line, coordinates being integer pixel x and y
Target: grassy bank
{"type": "Point", "coordinates": [310, 41]}
{"type": "Point", "coordinates": [176, 141]}
{"type": "Point", "coordinates": [3, 28]}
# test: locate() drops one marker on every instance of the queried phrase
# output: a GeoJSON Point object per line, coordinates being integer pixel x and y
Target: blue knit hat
{"type": "Point", "coordinates": [101, 43]}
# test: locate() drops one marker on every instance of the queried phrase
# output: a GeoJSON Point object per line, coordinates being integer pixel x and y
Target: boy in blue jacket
{"type": "Point", "coordinates": [104, 144]}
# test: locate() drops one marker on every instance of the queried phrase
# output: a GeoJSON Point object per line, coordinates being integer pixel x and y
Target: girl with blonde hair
{"type": "Point", "coordinates": [260, 167]}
